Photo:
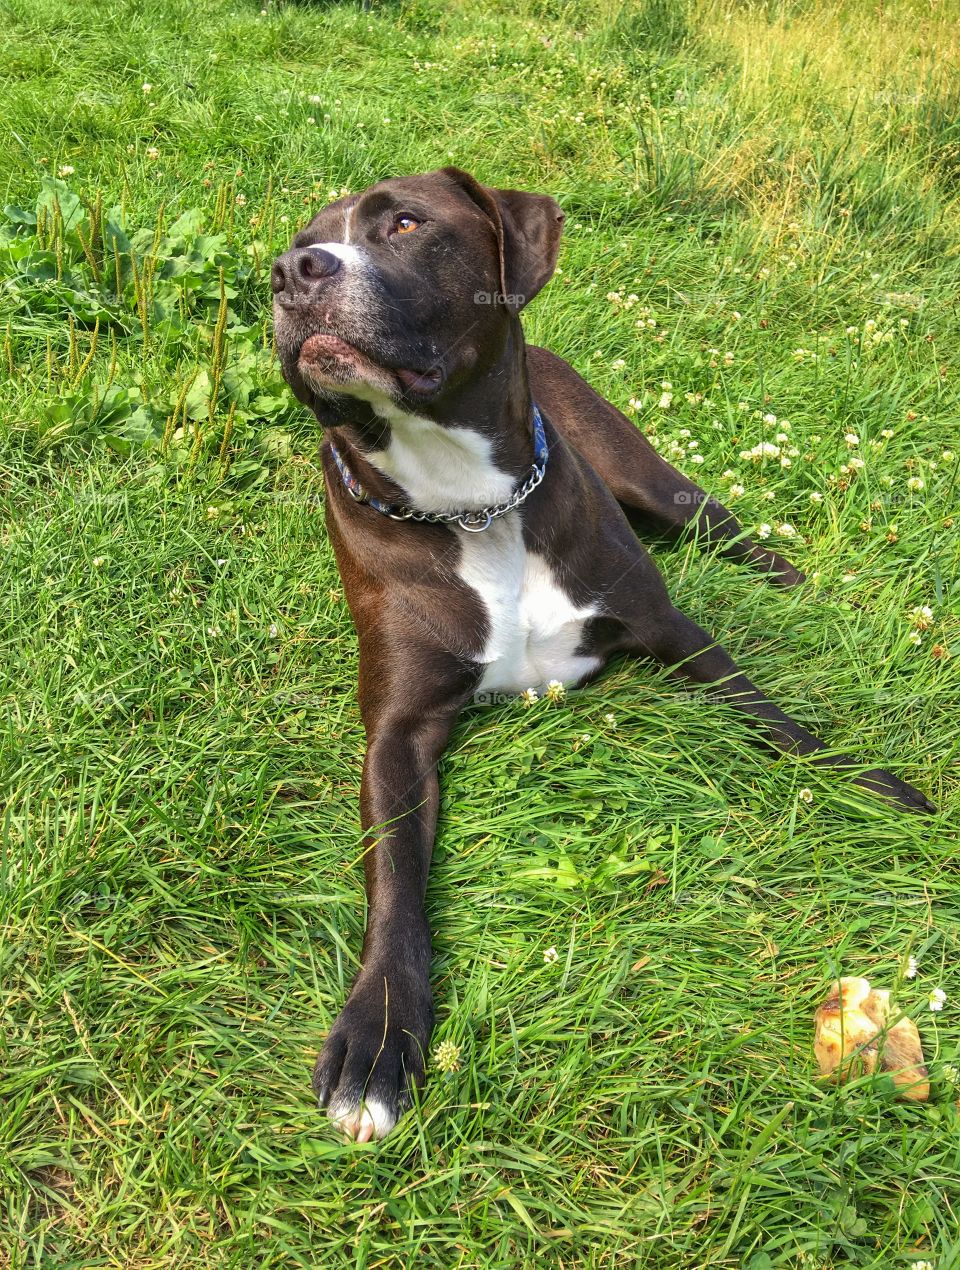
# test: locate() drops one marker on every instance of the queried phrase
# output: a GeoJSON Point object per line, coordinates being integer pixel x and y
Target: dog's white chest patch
{"type": "Point", "coordinates": [441, 469]}
{"type": "Point", "coordinates": [535, 628]}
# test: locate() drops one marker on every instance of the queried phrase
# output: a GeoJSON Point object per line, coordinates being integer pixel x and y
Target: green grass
{"type": "Point", "coordinates": [180, 889]}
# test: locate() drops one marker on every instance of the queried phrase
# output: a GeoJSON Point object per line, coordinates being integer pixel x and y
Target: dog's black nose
{"type": "Point", "coordinates": [300, 270]}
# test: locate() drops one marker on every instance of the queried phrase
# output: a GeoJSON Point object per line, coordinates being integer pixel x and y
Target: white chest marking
{"type": "Point", "coordinates": [441, 469]}
{"type": "Point", "coordinates": [535, 628]}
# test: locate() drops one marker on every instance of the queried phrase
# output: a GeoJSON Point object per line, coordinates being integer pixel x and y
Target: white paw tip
{"type": "Point", "coordinates": [370, 1119]}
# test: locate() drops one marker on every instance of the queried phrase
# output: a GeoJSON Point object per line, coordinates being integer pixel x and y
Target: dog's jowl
{"type": "Point", "coordinates": [482, 501]}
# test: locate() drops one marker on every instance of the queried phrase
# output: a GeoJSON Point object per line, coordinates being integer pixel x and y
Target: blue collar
{"type": "Point", "coordinates": [473, 521]}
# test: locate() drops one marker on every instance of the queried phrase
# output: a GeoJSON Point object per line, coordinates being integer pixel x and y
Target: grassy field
{"type": "Point", "coordinates": [762, 249]}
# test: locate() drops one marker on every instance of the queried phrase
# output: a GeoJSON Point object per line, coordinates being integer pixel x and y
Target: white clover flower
{"type": "Point", "coordinates": [805, 796]}
{"type": "Point", "coordinates": [152, 152]}
{"type": "Point", "coordinates": [786, 530]}
{"type": "Point", "coordinates": [147, 89]}
{"type": "Point", "coordinates": [915, 638]}
{"type": "Point", "coordinates": [785, 462]}
{"type": "Point", "coordinates": [770, 420]}
{"type": "Point", "coordinates": [665, 400]}
{"type": "Point", "coordinates": [696, 458]}
{"type": "Point", "coordinates": [728, 474]}
{"type": "Point", "coordinates": [887, 433]}
{"type": "Point", "coordinates": [764, 450]}
{"type": "Point", "coordinates": [550, 956]}
{"type": "Point", "coordinates": [737, 491]}
{"type": "Point", "coordinates": [937, 999]}
{"type": "Point", "coordinates": [851, 439]}
{"type": "Point", "coordinates": [555, 690]}
{"type": "Point", "coordinates": [446, 1057]}
{"type": "Point", "coordinates": [98, 561]}
{"type": "Point", "coordinates": [529, 696]}
{"type": "Point", "coordinates": [764, 531]}
{"type": "Point", "coordinates": [618, 363]}
{"type": "Point", "coordinates": [915, 483]}
{"type": "Point", "coordinates": [610, 720]}
{"type": "Point", "coordinates": [66, 170]}
{"type": "Point", "coordinates": [768, 495]}
{"type": "Point", "coordinates": [856, 462]}
{"type": "Point", "coordinates": [922, 617]}
{"type": "Point", "coordinates": [947, 456]}
{"type": "Point", "coordinates": [816, 497]}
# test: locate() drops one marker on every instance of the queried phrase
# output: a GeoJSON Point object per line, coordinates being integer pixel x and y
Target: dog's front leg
{"type": "Point", "coordinates": [375, 1052]}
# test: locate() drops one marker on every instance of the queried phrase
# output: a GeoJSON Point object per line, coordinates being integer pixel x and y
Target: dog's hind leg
{"type": "Point", "coordinates": [655, 496]}
{"type": "Point", "coordinates": [656, 629]}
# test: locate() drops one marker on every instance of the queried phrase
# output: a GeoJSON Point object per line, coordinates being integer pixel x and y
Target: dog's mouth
{"type": "Point", "coordinates": [334, 364]}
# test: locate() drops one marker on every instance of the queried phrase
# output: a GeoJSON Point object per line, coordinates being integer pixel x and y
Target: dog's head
{"type": "Point", "coordinates": [406, 290]}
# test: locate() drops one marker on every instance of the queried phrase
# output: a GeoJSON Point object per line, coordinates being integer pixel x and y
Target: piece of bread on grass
{"type": "Point", "coordinates": [854, 1038]}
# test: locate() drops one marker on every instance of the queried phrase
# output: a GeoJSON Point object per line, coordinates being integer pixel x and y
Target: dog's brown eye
{"type": "Point", "coordinates": [406, 224]}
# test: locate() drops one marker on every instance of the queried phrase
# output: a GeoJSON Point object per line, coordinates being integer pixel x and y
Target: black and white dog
{"type": "Point", "coordinates": [481, 501]}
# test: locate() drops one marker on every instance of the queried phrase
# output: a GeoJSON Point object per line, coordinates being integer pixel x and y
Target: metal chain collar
{"type": "Point", "coordinates": [474, 522]}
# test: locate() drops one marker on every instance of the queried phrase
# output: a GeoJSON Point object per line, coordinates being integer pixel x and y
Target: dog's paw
{"type": "Point", "coordinates": [374, 1056]}
{"type": "Point", "coordinates": [895, 791]}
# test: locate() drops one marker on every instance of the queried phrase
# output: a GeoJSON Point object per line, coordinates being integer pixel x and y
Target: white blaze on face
{"type": "Point", "coordinates": [346, 253]}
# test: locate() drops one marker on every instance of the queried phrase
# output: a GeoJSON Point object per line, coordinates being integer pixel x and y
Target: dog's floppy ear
{"type": "Point", "coordinates": [528, 228]}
